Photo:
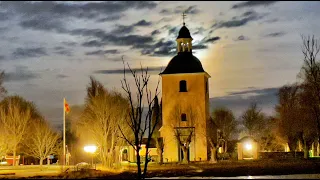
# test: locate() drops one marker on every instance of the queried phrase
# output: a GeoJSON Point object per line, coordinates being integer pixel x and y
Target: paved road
{"type": "Point", "coordinates": [291, 176]}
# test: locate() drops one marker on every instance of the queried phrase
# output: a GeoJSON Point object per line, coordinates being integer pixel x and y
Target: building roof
{"type": "Point", "coordinates": [184, 33]}
{"type": "Point", "coordinates": [183, 62]}
{"type": "Point", "coordinates": [247, 138]}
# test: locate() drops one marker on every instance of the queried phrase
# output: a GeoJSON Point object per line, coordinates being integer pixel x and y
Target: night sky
{"type": "Point", "coordinates": [250, 49]}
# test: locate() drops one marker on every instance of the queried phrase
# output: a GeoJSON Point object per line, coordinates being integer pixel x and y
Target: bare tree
{"type": "Point", "coordinates": [307, 121]}
{"type": "Point", "coordinates": [42, 141]}
{"type": "Point", "coordinates": [226, 124]}
{"type": "Point", "coordinates": [288, 112]}
{"type": "Point", "coordinates": [104, 112]}
{"type": "Point", "coordinates": [253, 120]}
{"type": "Point", "coordinates": [297, 120]}
{"type": "Point", "coordinates": [184, 131]}
{"type": "Point", "coordinates": [3, 144]}
{"type": "Point", "coordinates": [139, 124]}
{"type": "Point", "coordinates": [15, 116]}
{"type": "Point", "coordinates": [310, 74]}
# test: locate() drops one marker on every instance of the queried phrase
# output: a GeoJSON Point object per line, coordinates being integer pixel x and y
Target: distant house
{"type": "Point", "coordinates": [128, 154]}
{"type": "Point", "coordinates": [9, 159]}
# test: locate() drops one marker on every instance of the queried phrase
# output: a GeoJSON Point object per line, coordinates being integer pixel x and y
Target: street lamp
{"type": "Point", "coordinates": [90, 149]}
{"type": "Point", "coordinates": [248, 146]}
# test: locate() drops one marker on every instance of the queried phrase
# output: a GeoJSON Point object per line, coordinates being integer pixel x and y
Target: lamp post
{"type": "Point", "coordinates": [90, 149]}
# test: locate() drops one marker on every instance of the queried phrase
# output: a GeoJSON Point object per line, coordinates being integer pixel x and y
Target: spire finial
{"type": "Point", "coordinates": [183, 16]}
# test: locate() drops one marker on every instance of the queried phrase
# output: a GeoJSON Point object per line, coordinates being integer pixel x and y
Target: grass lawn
{"type": "Point", "coordinates": [220, 169]}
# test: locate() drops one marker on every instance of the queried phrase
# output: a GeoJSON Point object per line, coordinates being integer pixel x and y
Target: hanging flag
{"type": "Point", "coordinates": [66, 106]}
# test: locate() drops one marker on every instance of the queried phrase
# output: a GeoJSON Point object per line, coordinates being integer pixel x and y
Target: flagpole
{"type": "Point", "coordinates": [64, 132]}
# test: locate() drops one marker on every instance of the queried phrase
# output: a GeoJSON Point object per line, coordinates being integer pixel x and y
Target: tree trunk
{"type": "Point", "coordinates": [14, 157]}
{"type": "Point", "coordinates": [159, 151]}
{"type": "Point", "coordinates": [213, 158]}
{"type": "Point", "coordinates": [160, 155]}
{"type": "Point", "coordinates": [138, 163]}
{"type": "Point", "coordinates": [41, 162]}
{"type": "Point", "coordinates": [185, 159]}
{"type": "Point", "coordinates": [225, 146]}
{"type": "Point", "coordinates": [306, 150]}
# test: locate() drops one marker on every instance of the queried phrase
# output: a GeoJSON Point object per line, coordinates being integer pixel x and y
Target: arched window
{"type": "Point", "coordinates": [183, 117]}
{"type": "Point", "coordinates": [183, 86]}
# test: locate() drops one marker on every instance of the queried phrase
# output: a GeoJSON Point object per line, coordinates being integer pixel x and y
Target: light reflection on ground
{"type": "Point", "coordinates": [291, 176]}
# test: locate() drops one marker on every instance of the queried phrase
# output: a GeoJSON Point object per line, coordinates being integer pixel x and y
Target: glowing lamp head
{"type": "Point", "coordinates": [90, 149]}
{"type": "Point", "coordinates": [248, 146]}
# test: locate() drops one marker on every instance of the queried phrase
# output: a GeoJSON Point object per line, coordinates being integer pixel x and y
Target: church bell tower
{"type": "Point", "coordinates": [185, 102]}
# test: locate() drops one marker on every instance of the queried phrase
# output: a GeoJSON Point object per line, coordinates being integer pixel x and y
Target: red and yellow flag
{"type": "Point", "coordinates": [66, 106]}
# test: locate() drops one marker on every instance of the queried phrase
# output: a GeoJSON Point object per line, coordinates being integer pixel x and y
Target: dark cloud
{"type": "Point", "coordinates": [65, 52]}
{"type": "Point", "coordinates": [93, 43]}
{"type": "Point", "coordinates": [44, 24]}
{"type": "Point", "coordinates": [273, 91]}
{"type": "Point", "coordinates": [52, 16]}
{"type": "Point", "coordinates": [199, 30]}
{"type": "Point", "coordinates": [111, 18]}
{"type": "Point", "coordinates": [21, 73]}
{"type": "Point", "coordinates": [190, 10]}
{"type": "Point", "coordinates": [128, 40]}
{"type": "Point", "coordinates": [155, 32]}
{"type": "Point", "coordinates": [143, 23]}
{"type": "Point", "coordinates": [212, 40]}
{"type": "Point", "coordinates": [173, 30]}
{"type": "Point", "coordinates": [101, 52]}
{"type": "Point", "coordinates": [121, 29]}
{"type": "Point", "coordinates": [276, 34]}
{"type": "Point", "coordinates": [248, 13]}
{"type": "Point", "coordinates": [272, 20]}
{"type": "Point", "coordinates": [165, 51]}
{"type": "Point", "coordinates": [88, 10]}
{"type": "Point", "coordinates": [238, 21]}
{"type": "Point", "coordinates": [198, 47]}
{"type": "Point", "coordinates": [3, 29]}
{"type": "Point", "coordinates": [69, 43]}
{"type": "Point", "coordinates": [238, 102]}
{"type": "Point", "coordinates": [165, 19]}
{"type": "Point", "coordinates": [180, 9]}
{"type": "Point", "coordinates": [29, 52]}
{"type": "Point", "coordinates": [99, 33]}
{"type": "Point", "coordinates": [242, 38]}
{"type": "Point", "coordinates": [61, 76]}
{"type": "Point", "coordinates": [252, 4]}
{"type": "Point", "coordinates": [58, 48]}
{"type": "Point", "coordinates": [151, 70]}
{"type": "Point", "coordinates": [160, 48]}
{"type": "Point", "coordinates": [4, 16]}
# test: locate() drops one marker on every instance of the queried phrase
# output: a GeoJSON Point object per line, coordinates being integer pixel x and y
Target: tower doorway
{"type": "Point", "coordinates": [181, 156]}
{"type": "Point", "coordinates": [124, 155]}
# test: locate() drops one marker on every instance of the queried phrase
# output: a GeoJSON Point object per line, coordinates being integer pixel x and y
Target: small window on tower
{"type": "Point", "coordinates": [183, 117]}
{"type": "Point", "coordinates": [183, 86]}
